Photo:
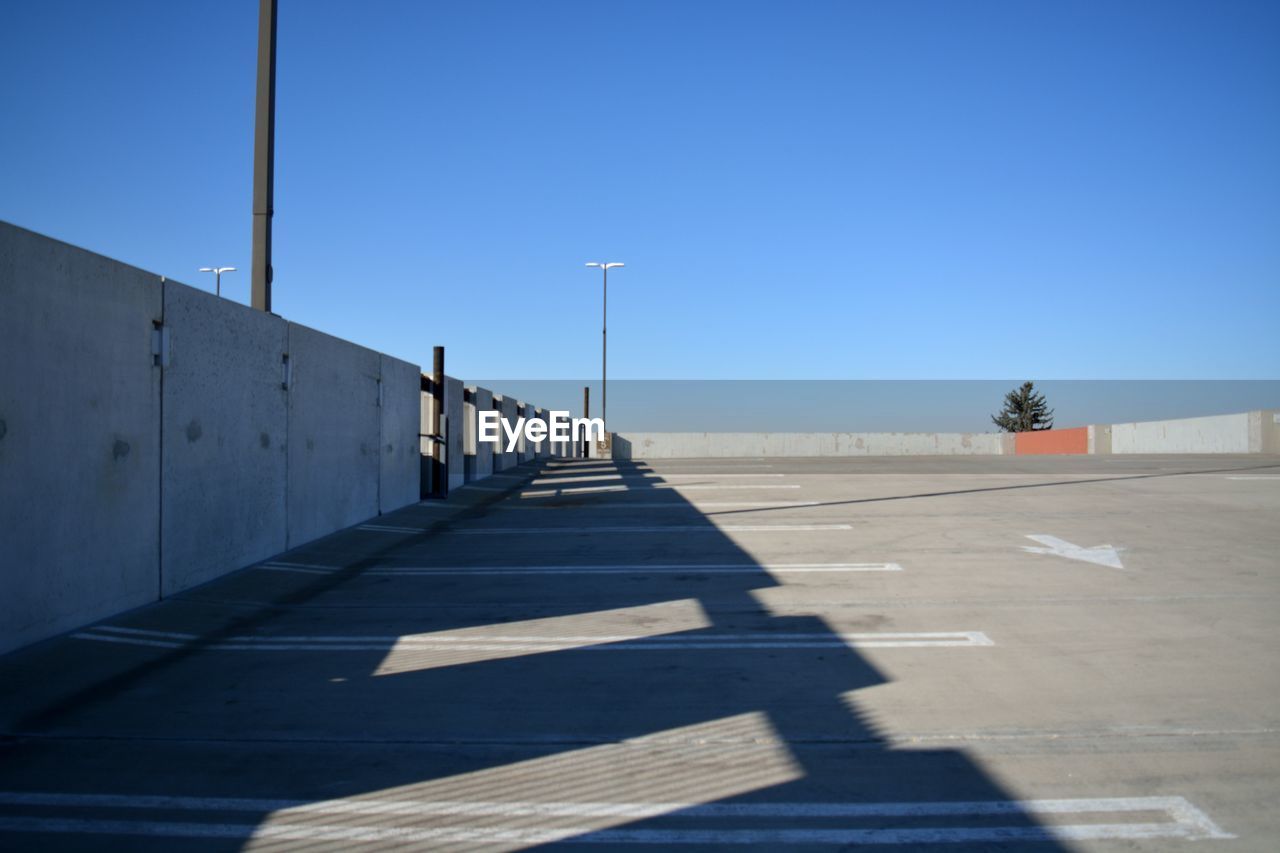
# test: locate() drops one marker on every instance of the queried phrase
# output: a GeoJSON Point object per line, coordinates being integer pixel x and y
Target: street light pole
{"type": "Point", "coordinates": [217, 276]}
{"type": "Point", "coordinates": [604, 346]}
{"type": "Point", "coordinates": [264, 152]}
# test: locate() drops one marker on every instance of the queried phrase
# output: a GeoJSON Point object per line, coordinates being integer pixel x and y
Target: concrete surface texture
{"type": "Point", "coordinates": [527, 449]}
{"type": "Point", "coordinates": [398, 413]}
{"type": "Point", "coordinates": [146, 430]}
{"type": "Point", "coordinates": [477, 455]}
{"type": "Point", "coordinates": [224, 437]}
{"type": "Point", "coordinates": [658, 445]}
{"type": "Point", "coordinates": [1048, 653]}
{"type": "Point", "coordinates": [509, 409]}
{"type": "Point", "coordinates": [1216, 434]}
{"type": "Point", "coordinates": [335, 429]}
{"type": "Point", "coordinates": [1247, 432]}
{"type": "Point", "coordinates": [79, 437]}
{"type": "Point", "coordinates": [454, 431]}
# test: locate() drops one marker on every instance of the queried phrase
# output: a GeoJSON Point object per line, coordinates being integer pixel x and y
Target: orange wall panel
{"type": "Point", "coordinates": [1051, 441]}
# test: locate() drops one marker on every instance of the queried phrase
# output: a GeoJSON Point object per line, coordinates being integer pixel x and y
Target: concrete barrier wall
{"type": "Point", "coordinates": [1248, 432]}
{"type": "Point", "coordinates": [526, 447]}
{"type": "Point", "coordinates": [455, 431]}
{"type": "Point", "coordinates": [224, 437]}
{"type": "Point", "coordinates": [334, 433]}
{"type": "Point", "coordinates": [154, 436]}
{"type": "Point", "coordinates": [502, 458]}
{"type": "Point", "coordinates": [1052, 442]}
{"type": "Point", "coordinates": [400, 416]}
{"type": "Point", "coordinates": [672, 445]}
{"type": "Point", "coordinates": [1216, 434]}
{"type": "Point", "coordinates": [477, 455]}
{"type": "Point", "coordinates": [79, 437]}
{"type": "Point", "coordinates": [1268, 431]}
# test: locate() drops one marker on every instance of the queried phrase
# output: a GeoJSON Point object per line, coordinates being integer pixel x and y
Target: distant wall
{"type": "Point", "coordinates": [502, 458]}
{"type": "Point", "coordinates": [658, 445]}
{"type": "Point", "coordinates": [154, 436]}
{"type": "Point", "coordinates": [1051, 441]}
{"type": "Point", "coordinates": [477, 455]}
{"type": "Point", "coordinates": [1216, 434]}
{"type": "Point", "coordinates": [1248, 432]}
{"type": "Point", "coordinates": [455, 430]}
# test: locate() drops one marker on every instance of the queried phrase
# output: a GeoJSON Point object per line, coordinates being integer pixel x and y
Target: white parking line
{"type": "Point", "coordinates": [666, 528]}
{"type": "Point", "coordinates": [646, 478]}
{"type": "Point", "coordinates": [287, 820]}
{"type": "Point", "coordinates": [635, 569]}
{"type": "Point", "coordinates": [500, 642]}
{"type": "Point", "coordinates": [582, 490]}
{"type": "Point", "coordinates": [665, 505]}
{"type": "Point", "coordinates": [387, 528]}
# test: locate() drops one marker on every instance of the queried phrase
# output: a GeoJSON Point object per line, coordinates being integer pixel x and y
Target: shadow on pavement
{"type": "Point", "coordinates": [500, 681]}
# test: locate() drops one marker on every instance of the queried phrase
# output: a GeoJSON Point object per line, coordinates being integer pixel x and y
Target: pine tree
{"type": "Point", "coordinates": [1024, 411]}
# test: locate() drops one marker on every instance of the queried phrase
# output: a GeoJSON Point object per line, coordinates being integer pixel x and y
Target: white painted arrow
{"type": "Point", "coordinates": [1102, 555]}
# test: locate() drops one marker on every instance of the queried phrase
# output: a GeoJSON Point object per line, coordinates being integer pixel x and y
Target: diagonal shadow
{"type": "Point", "coordinates": [1016, 487]}
{"type": "Point", "coordinates": [646, 705]}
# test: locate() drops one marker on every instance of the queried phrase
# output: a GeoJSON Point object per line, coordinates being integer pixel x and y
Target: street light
{"type": "Point", "coordinates": [604, 347]}
{"type": "Point", "coordinates": [217, 276]}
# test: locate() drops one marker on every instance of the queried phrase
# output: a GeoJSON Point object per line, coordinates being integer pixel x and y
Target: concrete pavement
{"type": "Point", "coordinates": [785, 654]}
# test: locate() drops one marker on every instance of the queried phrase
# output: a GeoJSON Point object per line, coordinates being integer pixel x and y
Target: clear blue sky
{"type": "Point", "coordinates": [799, 189]}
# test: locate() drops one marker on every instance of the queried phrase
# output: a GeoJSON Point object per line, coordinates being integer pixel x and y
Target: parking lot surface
{"type": "Point", "coordinates": [961, 653]}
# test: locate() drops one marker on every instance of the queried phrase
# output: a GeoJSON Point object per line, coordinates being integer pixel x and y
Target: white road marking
{"type": "Point", "coordinates": [644, 478]}
{"type": "Point", "coordinates": [635, 569]}
{"type": "Point", "coordinates": [287, 820]}
{"type": "Point", "coordinates": [494, 642]}
{"type": "Point", "coordinates": [582, 490]}
{"type": "Point", "coordinates": [668, 528]}
{"type": "Point", "coordinates": [1268, 477]}
{"type": "Point", "coordinates": [1101, 555]}
{"type": "Point", "coordinates": [665, 505]}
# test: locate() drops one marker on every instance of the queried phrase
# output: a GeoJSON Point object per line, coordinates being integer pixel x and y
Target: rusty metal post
{"type": "Point", "coordinates": [439, 477]}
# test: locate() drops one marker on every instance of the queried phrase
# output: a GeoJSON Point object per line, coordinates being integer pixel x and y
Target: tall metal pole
{"type": "Point", "coordinates": [586, 415]}
{"type": "Point", "coordinates": [604, 357]}
{"type": "Point", "coordinates": [217, 282]}
{"type": "Point", "coordinates": [264, 149]}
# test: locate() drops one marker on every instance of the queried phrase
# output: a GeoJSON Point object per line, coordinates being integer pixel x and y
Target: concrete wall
{"type": "Point", "coordinates": [223, 433]}
{"type": "Point", "coordinates": [1216, 434]}
{"type": "Point", "coordinates": [526, 449]}
{"type": "Point", "coordinates": [455, 430]}
{"type": "Point", "coordinates": [334, 433]}
{"type": "Point", "coordinates": [1248, 432]}
{"type": "Point", "coordinates": [400, 417]}
{"type": "Point", "coordinates": [1100, 439]}
{"type": "Point", "coordinates": [477, 456]}
{"type": "Point", "coordinates": [79, 437]}
{"type": "Point", "coordinates": [502, 459]}
{"type": "Point", "coordinates": [659, 445]}
{"type": "Point", "coordinates": [154, 436]}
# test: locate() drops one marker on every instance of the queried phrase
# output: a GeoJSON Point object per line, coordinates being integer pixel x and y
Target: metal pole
{"type": "Point", "coordinates": [604, 358]}
{"type": "Point", "coordinates": [217, 282]}
{"type": "Point", "coordinates": [586, 414]}
{"type": "Point", "coordinates": [437, 441]}
{"type": "Point", "coordinates": [264, 146]}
